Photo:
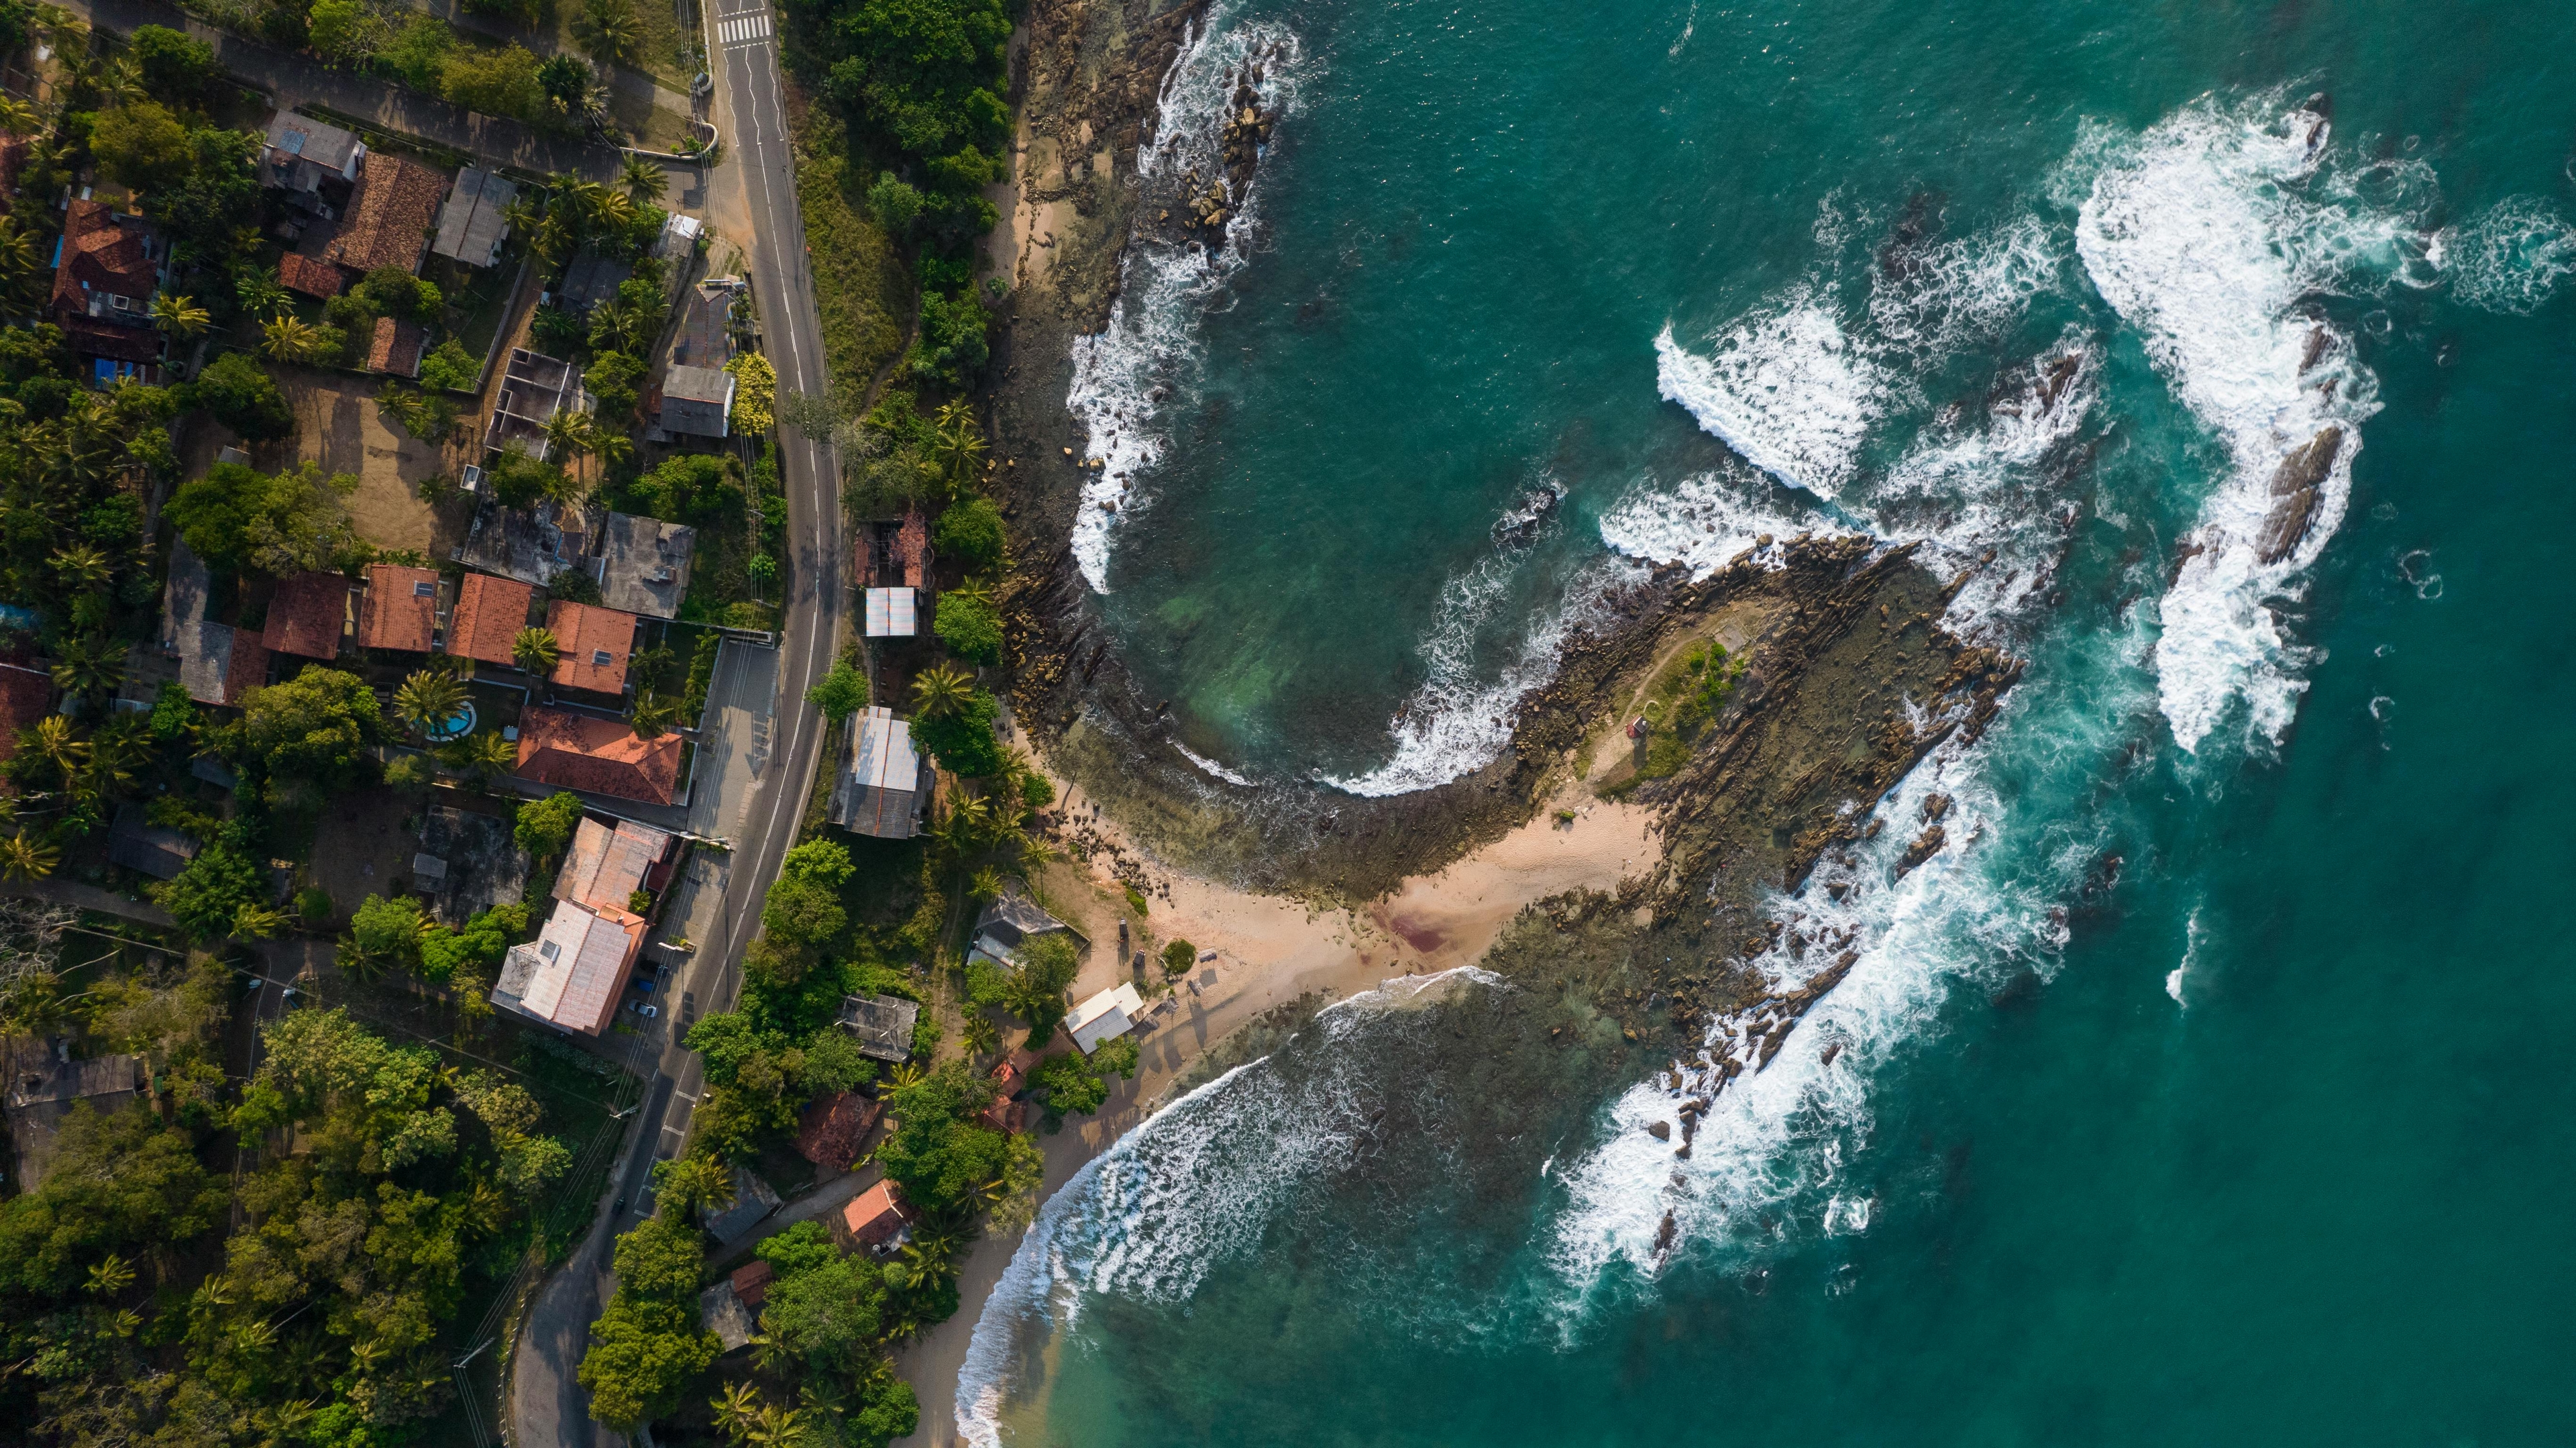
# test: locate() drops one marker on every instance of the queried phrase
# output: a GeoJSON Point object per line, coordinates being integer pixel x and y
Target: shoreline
{"type": "Point", "coordinates": [1272, 953]}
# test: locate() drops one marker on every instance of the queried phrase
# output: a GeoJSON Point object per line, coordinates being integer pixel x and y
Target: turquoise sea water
{"type": "Point", "coordinates": [2259, 1133]}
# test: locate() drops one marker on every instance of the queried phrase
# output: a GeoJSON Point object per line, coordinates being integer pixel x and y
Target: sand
{"type": "Point", "coordinates": [1269, 951]}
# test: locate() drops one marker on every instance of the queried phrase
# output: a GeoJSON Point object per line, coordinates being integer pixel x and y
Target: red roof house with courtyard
{"type": "Point", "coordinates": [389, 215]}
{"type": "Point", "coordinates": [594, 644]}
{"type": "Point", "coordinates": [25, 695]}
{"type": "Point", "coordinates": [400, 610]}
{"type": "Point", "coordinates": [103, 267]}
{"type": "Point", "coordinates": [307, 615]}
{"type": "Point", "coordinates": [601, 756]}
{"type": "Point", "coordinates": [395, 348]}
{"type": "Point", "coordinates": [487, 618]}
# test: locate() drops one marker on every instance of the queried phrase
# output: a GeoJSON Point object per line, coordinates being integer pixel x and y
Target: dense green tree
{"type": "Point", "coordinates": [120, 1182]}
{"type": "Point", "coordinates": [237, 392]}
{"type": "Point", "coordinates": [963, 741]}
{"type": "Point", "coordinates": [384, 933]}
{"type": "Point", "coordinates": [927, 73]}
{"type": "Point", "coordinates": [142, 146]}
{"type": "Point", "coordinates": [174, 65]}
{"type": "Point", "coordinates": [237, 518]}
{"type": "Point", "coordinates": [213, 892]}
{"type": "Point", "coordinates": [968, 623]}
{"type": "Point", "coordinates": [1043, 970]}
{"type": "Point", "coordinates": [970, 532]}
{"type": "Point", "coordinates": [840, 693]}
{"type": "Point", "coordinates": [823, 1306]}
{"type": "Point", "coordinates": [648, 1347]}
{"type": "Point", "coordinates": [544, 828]}
{"type": "Point", "coordinates": [939, 1154]}
{"type": "Point", "coordinates": [1069, 1085]}
{"type": "Point", "coordinates": [314, 728]}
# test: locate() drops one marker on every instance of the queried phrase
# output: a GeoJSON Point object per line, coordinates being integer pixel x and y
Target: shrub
{"type": "Point", "coordinates": [314, 904]}
{"type": "Point", "coordinates": [842, 692]}
{"type": "Point", "coordinates": [615, 379]}
{"type": "Point", "coordinates": [755, 396]}
{"type": "Point", "coordinates": [174, 64]}
{"type": "Point", "coordinates": [496, 82]}
{"type": "Point", "coordinates": [971, 532]}
{"type": "Point", "coordinates": [969, 624]}
{"type": "Point", "coordinates": [545, 827]}
{"type": "Point", "coordinates": [893, 204]}
{"type": "Point", "coordinates": [1178, 957]}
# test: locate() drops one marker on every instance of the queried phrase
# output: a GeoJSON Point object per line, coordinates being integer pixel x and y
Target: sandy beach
{"type": "Point", "coordinates": [1269, 951]}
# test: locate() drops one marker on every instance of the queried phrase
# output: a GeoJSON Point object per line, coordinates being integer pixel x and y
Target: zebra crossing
{"type": "Point", "coordinates": [735, 30]}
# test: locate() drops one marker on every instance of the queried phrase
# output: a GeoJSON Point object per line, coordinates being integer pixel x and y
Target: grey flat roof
{"type": "Point", "coordinates": [470, 225]}
{"type": "Point", "coordinates": [645, 564]}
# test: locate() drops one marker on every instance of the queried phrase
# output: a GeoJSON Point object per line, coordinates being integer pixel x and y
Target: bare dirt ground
{"type": "Point", "coordinates": [339, 429]}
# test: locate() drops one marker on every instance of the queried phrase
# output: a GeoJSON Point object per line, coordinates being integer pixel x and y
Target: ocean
{"type": "Point", "coordinates": [2203, 1088]}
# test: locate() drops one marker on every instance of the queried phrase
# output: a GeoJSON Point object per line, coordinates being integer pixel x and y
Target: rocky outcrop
{"type": "Point", "coordinates": [2297, 488]}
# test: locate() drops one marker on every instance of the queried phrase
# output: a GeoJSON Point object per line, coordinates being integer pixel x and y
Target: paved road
{"type": "Point", "coordinates": [293, 80]}
{"type": "Point", "coordinates": [546, 1407]}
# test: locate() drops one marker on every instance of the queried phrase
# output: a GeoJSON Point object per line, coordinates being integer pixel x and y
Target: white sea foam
{"type": "Point", "coordinates": [2511, 256]}
{"type": "Point", "coordinates": [1125, 374]}
{"type": "Point", "coordinates": [1784, 387]}
{"type": "Point", "coordinates": [1196, 1184]}
{"type": "Point", "coordinates": [1710, 520]}
{"type": "Point", "coordinates": [1457, 721]}
{"type": "Point", "coordinates": [2182, 968]}
{"type": "Point", "coordinates": [2206, 234]}
{"type": "Point", "coordinates": [1210, 766]}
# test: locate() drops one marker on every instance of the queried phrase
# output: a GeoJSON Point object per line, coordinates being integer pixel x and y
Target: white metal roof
{"type": "Point", "coordinates": [1106, 1015]}
{"type": "Point", "coordinates": [890, 613]}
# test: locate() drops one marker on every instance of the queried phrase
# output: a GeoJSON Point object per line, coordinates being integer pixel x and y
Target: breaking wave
{"type": "Point", "coordinates": [1124, 374]}
{"type": "Point", "coordinates": [1195, 1185]}
{"type": "Point", "coordinates": [2209, 235]}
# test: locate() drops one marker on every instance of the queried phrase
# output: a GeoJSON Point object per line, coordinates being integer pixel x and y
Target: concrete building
{"type": "Point", "coordinates": [302, 154]}
{"type": "Point", "coordinates": [534, 387]}
{"type": "Point", "coordinates": [696, 402]}
{"type": "Point", "coordinates": [644, 564]}
{"type": "Point", "coordinates": [607, 864]}
{"type": "Point", "coordinates": [474, 221]}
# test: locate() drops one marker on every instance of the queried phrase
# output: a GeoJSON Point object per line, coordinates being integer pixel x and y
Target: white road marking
{"type": "Point", "coordinates": [743, 29]}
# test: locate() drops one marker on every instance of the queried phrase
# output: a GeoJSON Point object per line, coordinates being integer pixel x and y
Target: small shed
{"type": "Point", "coordinates": [882, 1023]}
{"type": "Point", "coordinates": [1105, 1016]}
{"type": "Point", "coordinates": [884, 791]}
{"type": "Point", "coordinates": [890, 614]}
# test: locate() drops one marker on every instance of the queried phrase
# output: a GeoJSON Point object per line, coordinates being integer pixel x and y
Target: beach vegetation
{"type": "Point", "coordinates": [970, 531]}
{"type": "Point", "coordinates": [969, 625]}
{"type": "Point", "coordinates": [1178, 957]}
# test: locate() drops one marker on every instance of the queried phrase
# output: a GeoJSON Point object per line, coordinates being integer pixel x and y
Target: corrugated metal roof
{"type": "Point", "coordinates": [890, 613]}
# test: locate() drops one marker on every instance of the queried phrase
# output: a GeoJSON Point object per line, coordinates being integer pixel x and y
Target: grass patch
{"type": "Point", "coordinates": [478, 298]}
{"type": "Point", "coordinates": [1686, 696]}
{"type": "Point", "coordinates": [861, 286]}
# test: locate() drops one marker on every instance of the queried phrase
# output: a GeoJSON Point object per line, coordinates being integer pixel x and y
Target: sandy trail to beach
{"type": "Point", "coordinates": [1270, 951]}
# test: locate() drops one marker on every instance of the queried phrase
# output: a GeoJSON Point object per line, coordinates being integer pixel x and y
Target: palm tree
{"type": "Point", "coordinates": [22, 858]}
{"type": "Point", "coordinates": [941, 692]}
{"type": "Point", "coordinates": [487, 754]}
{"type": "Point", "coordinates": [17, 252]}
{"type": "Point", "coordinates": [288, 339]}
{"type": "Point", "coordinates": [958, 441]}
{"type": "Point", "coordinates": [56, 741]}
{"type": "Point", "coordinates": [652, 715]}
{"type": "Point", "coordinates": [81, 565]}
{"type": "Point", "coordinates": [609, 30]}
{"type": "Point", "coordinates": [737, 1407]}
{"type": "Point", "coordinates": [429, 699]}
{"type": "Point", "coordinates": [570, 430]}
{"type": "Point", "coordinates": [180, 316]}
{"type": "Point", "coordinates": [643, 180]}
{"type": "Point", "coordinates": [17, 117]}
{"type": "Point", "coordinates": [254, 921]}
{"type": "Point", "coordinates": [260, 294]}
{"type": "Point", "coordinates": [535, 650]}
{"type": "Point", "coordinates": [88, 666]}
{"type": "Point", "coordinates": [111, 1275]}
{"type": "Point", "coordinates": [776, 1427]}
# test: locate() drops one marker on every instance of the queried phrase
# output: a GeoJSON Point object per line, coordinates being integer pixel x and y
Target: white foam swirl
{"type": "Point", "coordinates": [1783, 387]}
{"type": "Point", "coordinates": [2511, 256]}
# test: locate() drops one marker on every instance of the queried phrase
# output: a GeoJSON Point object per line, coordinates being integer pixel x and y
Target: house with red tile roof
{"type": "Point", "coordinates": [307, 615]}
{"type": "Point", "coordinates": [595, 643]}
{"type": "Point", "coordinates": [310, 275]}
{"type": "Point", "coordinates": [400, 609]}
{"type": "Point", "coordinates": [601, 756]}
{"type": "Point", "coordinates": [389, 215]}
{"type": "Point", "coordinates": [103, 266]}
{"type": "Point", "coordinates": [25, 696]}
{"type": "Point", "coordinates": [487, 618]}
{"type": "Point", "coordinates": [875, 1217]}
